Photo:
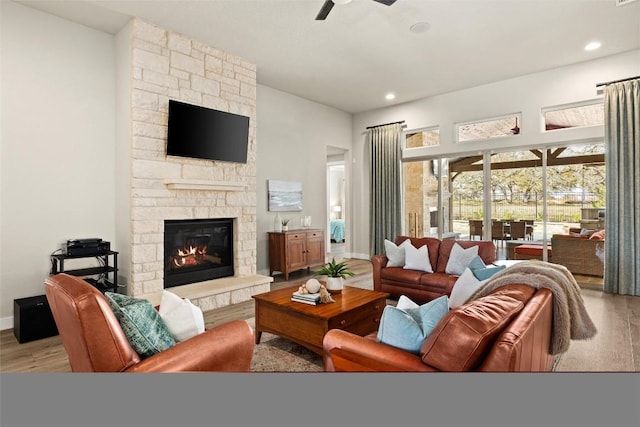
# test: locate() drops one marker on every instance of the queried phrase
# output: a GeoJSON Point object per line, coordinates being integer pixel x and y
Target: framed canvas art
{"type": "Point", "coordinates": [284, 196]}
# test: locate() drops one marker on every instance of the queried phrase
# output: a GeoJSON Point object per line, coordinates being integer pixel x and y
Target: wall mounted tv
{"type": "Point", "coordinates": [204, 133]}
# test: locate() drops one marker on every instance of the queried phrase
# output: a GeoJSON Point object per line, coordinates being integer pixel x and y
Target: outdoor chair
{"type": "Point", "coordinates": [517, 230]}
{"type": "Point", "coordinates": [529, 228]}
{"type": "Point", "coordinates": [498, 231]}
{"type": "Point", "coordinates": [475, 228]}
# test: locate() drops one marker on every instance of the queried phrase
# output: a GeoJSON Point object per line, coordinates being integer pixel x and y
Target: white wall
{"type": "Point", "coordinates": [292, 138]}
{"type": "Point", "coordinates": [122, 153]}
{"type": "Point", "coordinates": [526, 94]}
{"type": "Point", "coordinates": [57, 144]}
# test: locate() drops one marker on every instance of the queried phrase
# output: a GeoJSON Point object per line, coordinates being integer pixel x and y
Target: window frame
{"type": "Point", "coordinates": [408, 132]}
{"type": "Point", "coordinates": [567, 106]}
{"type": "Point", "coordinates": [457, 126]}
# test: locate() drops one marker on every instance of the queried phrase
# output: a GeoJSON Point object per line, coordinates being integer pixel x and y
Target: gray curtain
{"type": "Point", "coordinates": [622, 220]}
{"type": "Point", "coordinates": [385, 193]}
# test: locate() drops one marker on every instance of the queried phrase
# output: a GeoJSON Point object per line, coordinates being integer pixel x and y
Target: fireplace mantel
{"type": "Point", "coordinates": [203, 184]}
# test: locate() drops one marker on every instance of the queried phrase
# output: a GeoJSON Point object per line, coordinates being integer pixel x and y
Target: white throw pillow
{"type": "Point", "coordinates": [404, 302]}
{"type": "Point", "coordinates": [460, 258]}
{"type": "Point", "coordinates": [395, 253]}
{"type": "Point", "coordinates": [183, 318]}
{"type": "Point", "coordinates": [465, 286]}
{"type": "Point", "coordinates": [417, 259]}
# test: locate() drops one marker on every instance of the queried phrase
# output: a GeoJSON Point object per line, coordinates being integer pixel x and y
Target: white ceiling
{"type": "Point", "coordinates": [365, 49]}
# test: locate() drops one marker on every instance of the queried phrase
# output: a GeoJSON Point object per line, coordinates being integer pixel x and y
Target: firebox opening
{"type": "Point", "coordinates": [197, 250]}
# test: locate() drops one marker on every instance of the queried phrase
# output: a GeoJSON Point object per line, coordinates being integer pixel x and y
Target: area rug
{"type": "Point", "coordinates": [276, 354]}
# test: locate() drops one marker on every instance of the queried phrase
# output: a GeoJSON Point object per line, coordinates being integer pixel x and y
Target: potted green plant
{"type": "Point", "coordinates": [336, 272]}
{"type": "Point", "coordinates": [285, 224]}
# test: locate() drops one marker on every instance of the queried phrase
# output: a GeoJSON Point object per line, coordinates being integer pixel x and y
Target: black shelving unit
{"type": "Point", "coordinates": [104, 269]}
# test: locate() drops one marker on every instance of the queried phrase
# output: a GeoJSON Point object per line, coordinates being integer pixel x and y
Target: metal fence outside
{"type": "Point", "coordinates": [561, 206]}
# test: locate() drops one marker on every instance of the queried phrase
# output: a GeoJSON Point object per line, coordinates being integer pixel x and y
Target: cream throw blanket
{"type": "Point", "coordinates": [570, 317]}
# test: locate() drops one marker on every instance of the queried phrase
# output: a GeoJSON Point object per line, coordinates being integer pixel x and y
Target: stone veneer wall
{"type": "Point", "coordinates": [167, 65]}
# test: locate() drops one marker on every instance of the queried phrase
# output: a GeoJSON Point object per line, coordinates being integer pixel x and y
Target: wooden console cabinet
{"type": "Point", "coordinates": [295, 249]}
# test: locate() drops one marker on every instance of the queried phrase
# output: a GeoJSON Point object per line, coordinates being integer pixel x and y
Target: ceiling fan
{"type": "Point", "coordinates": [515, 130]}
{"type": "Point", "coordinates": [328, 5]}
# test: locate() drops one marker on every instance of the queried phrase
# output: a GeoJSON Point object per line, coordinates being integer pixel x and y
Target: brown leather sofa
{"type": "Point", "coordinates": [506, 331]}
{"type": "Point", "coordinates": [418, 285]}
{"type": "Point", "coordinates": [95, 342]}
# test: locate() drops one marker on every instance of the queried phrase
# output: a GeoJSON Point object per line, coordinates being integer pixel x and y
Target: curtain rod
{"type": "Point", "coordinates": [386, 124]}
{"type": "Point", "coordinates": [617, 81]}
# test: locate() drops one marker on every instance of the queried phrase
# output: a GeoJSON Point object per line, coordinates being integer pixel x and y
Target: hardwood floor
{"type": "Point", "coordinates": [616, 347]}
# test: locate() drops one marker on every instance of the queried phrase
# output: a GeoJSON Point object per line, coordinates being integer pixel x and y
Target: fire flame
{"type": "Point", "coordinates": [189, 256]}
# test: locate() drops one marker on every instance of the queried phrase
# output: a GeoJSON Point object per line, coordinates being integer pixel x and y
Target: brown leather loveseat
{"type": "Point", "coordinates": [509, 330]}
{"type": "Point", "coordinates": [418, 285]}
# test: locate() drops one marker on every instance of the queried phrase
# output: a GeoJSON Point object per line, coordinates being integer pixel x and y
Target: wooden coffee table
{"type": "Point", "coordinates": [355, 310]}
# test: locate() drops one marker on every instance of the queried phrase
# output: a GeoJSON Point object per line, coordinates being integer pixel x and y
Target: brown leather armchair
{"type": "Point", "coordinates": [95, 342]}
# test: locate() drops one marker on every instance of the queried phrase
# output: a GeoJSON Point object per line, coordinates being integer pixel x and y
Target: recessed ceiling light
{"type": "Point", "coordinates": [390, 96]}
{"type": "Point", "coordinates": [592, 46]}
{"type": "Point", "coordinates": [420, 27]}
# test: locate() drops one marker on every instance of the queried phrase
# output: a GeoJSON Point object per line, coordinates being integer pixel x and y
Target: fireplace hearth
{"type": "Point", "coordinates": [197, 250]}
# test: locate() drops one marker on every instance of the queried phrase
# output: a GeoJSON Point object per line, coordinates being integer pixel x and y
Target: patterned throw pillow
{"type": "Point", "coordinates": [141, 323]}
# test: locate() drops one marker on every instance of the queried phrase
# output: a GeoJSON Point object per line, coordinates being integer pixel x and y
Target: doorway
{"type": "Point", "coordinates": [336, 203]}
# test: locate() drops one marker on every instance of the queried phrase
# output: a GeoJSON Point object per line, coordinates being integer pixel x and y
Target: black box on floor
{"type": "Point", "coordinates": [32, 319]}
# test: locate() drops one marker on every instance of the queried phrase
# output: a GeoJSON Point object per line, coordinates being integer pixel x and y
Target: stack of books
{"type": "Point", "coordinates": [312, 299]}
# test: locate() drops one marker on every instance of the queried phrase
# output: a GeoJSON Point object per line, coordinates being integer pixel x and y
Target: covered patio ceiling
{"type": "Point", "coordinates": [474, 163]}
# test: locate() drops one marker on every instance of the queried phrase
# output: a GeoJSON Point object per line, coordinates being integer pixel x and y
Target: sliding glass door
{"type": "Point", "coordinates": [513, 198]}
{"type": "Point", "coordinates": [426, 194]}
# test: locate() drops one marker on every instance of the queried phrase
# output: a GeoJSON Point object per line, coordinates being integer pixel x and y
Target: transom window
{"type": "Point", "coordinates": [427, 137]}
{"type": "Point", "coordinates": [489, 128]}
{"type": "Point", "coordinates": [574, 115]}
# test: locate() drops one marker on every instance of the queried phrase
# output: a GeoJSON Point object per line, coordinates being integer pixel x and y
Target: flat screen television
{"type": "Point", "coordinates": [205, 133]}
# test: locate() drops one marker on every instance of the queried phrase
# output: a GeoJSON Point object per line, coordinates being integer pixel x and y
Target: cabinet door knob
{"type": "Point", "coordinates": [377, 307]}
{"type": "Point", "coordinates": [343, 322]}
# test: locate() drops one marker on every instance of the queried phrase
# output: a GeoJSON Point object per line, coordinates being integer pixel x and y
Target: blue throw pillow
{"type": "Point", "coordinates": [147, 333]}
{"type": "Point", "coordinates": [408, 328]}
{"type": "Point", "coordinates": [481, 271]}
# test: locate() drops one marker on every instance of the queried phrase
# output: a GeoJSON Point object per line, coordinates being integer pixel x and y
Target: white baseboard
{"type": "Point", "coordinates": [358, 256]}
{"type": "Point", "coordinates": [6, 323]}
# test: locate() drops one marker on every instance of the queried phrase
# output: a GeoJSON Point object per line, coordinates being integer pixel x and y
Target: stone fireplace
{"type": "Point", "coordinates": [163, 190]}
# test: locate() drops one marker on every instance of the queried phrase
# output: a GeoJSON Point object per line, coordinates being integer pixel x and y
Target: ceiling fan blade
{"type": "Point", "coordinates": [324, 11]}
{"type": "Point", "coordinates": [386, 2]}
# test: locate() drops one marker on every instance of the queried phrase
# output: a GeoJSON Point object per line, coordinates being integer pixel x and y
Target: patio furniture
{"type": "Point", "coordinates": [528, 252]}
{"type": "Point", "coordinates": [579, 254]}
{"type": "Point", "coordinates": [511, 245]}
{"type": "Point", "coordinates": [517, 230]}
{"type": "Point", "coordinates": [475, 228]}
{"type": "Point", "coordinates": [498, 230]}
{"type": "Point", "coordinates": [530, 225]}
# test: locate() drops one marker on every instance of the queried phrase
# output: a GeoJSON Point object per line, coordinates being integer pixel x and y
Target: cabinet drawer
{"type": "Point", "coordinates": [369, 314]}
{"type": "Point", "coordinates": [296, 236]}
